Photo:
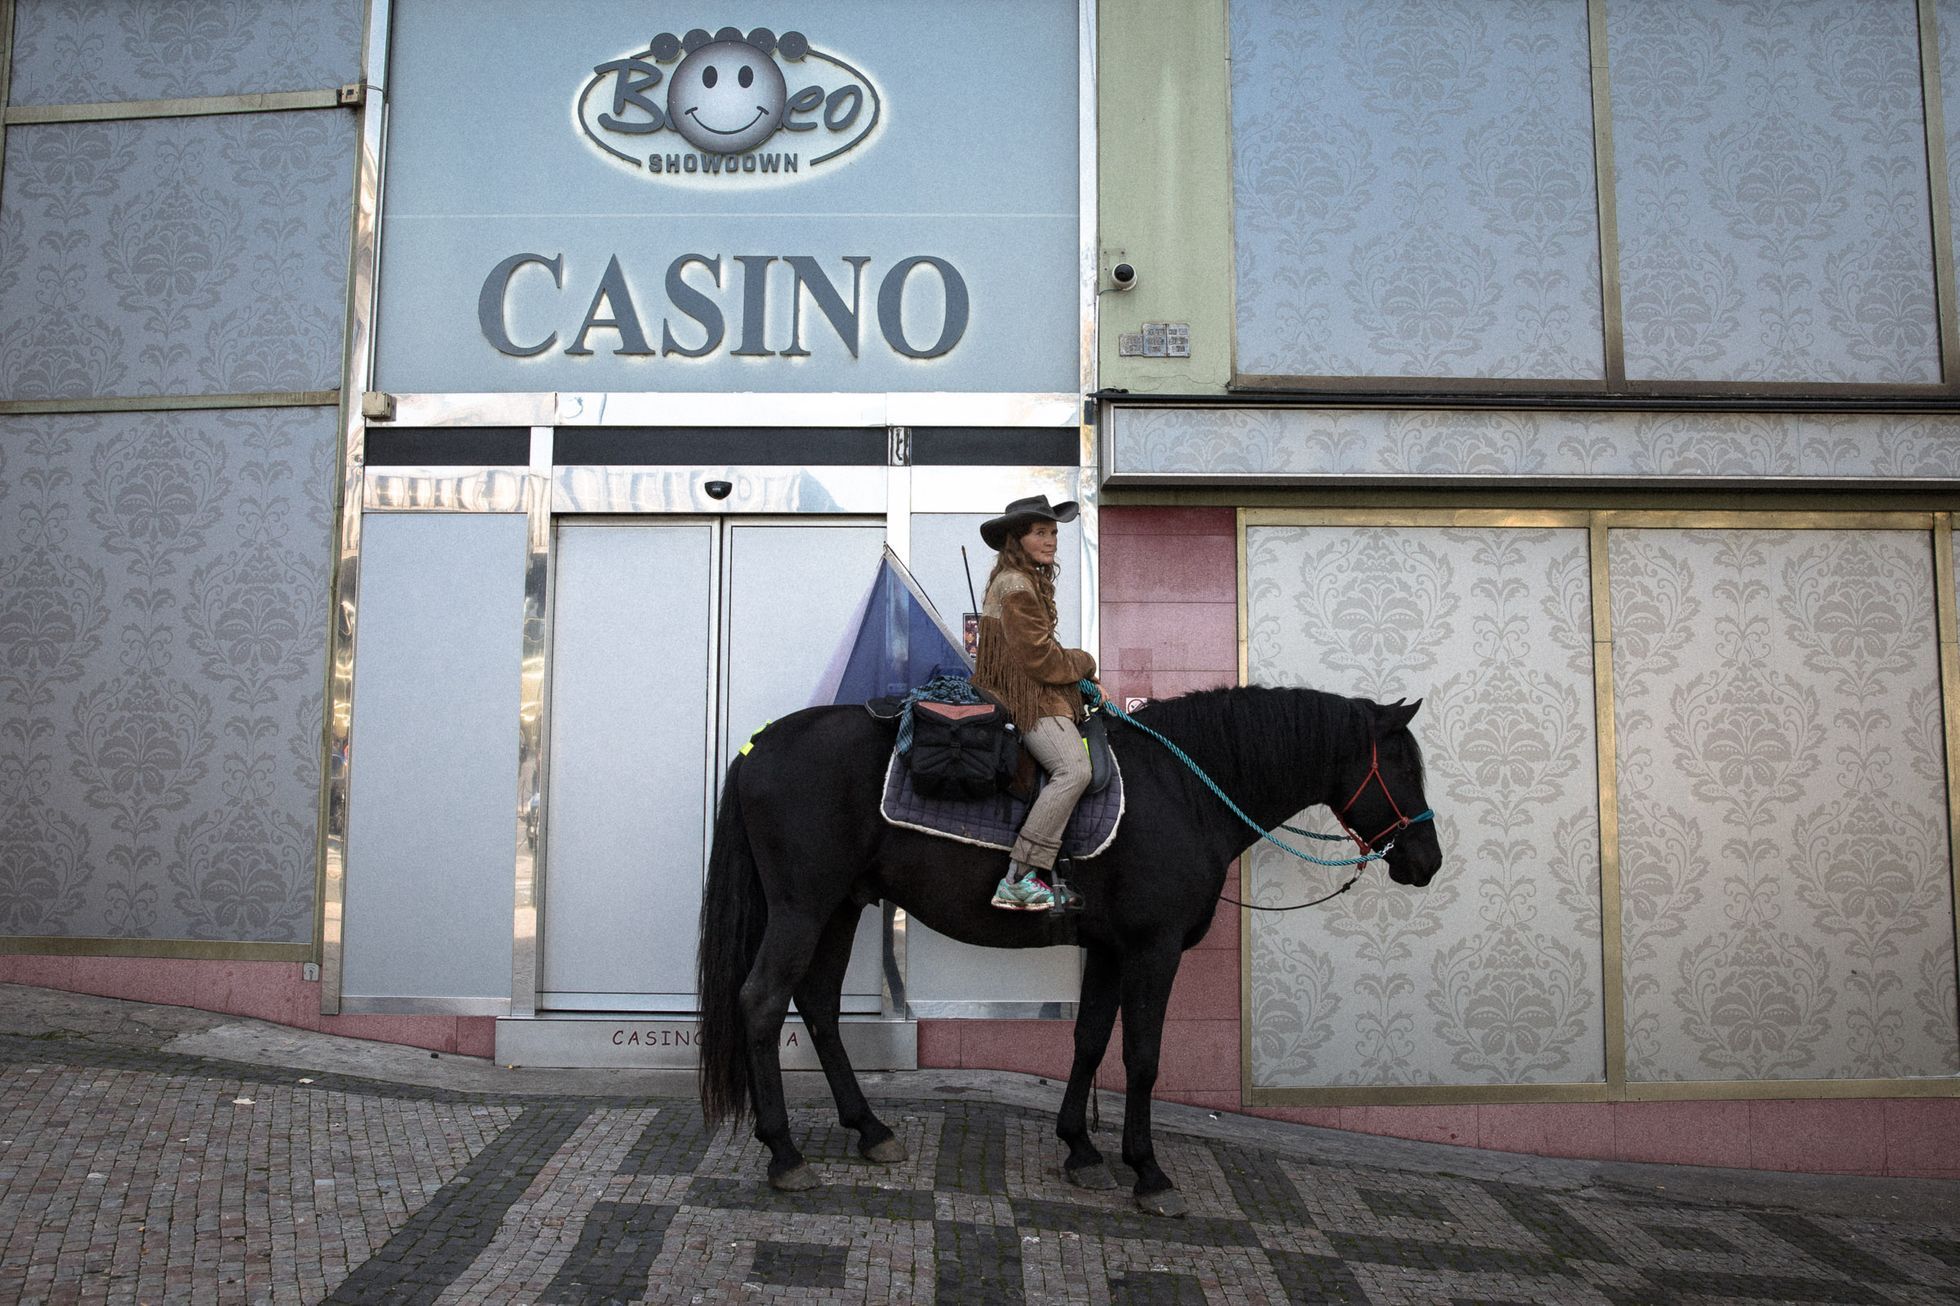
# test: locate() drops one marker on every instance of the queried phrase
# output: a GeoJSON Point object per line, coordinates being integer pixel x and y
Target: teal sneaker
{"type": "Point", "coordinates": [1025, 894]}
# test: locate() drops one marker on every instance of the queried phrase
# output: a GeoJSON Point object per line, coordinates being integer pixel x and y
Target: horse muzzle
{"type": "Point", "coordinates": [1414, 876]}
{"type": "Point", "coordinates": [1416, 857]}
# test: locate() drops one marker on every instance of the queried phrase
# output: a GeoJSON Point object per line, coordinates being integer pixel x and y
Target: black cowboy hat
{"type": "Point", "coordinates": [1021, 514]}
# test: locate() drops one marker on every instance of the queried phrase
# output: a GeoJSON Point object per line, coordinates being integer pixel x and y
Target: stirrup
{"type": "Point", "coordinates": [1066, 897]}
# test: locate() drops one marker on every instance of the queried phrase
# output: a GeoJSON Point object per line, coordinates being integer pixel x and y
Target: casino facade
{"type": "Point", "coordinates": [433, 438]}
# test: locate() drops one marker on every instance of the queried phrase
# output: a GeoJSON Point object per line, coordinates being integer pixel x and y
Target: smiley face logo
{"type": "Point", "coordinates": [726, 96]}
{"type": "Point", "coordinates": [762, 106]}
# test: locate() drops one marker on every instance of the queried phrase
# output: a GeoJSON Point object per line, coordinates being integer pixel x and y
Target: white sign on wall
{"type": "Point", "coordinates": [880, 197]}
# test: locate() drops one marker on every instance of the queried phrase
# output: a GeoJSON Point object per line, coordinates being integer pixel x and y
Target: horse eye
{"type": "Point", "coordinates": [709, 76]}
{"type": "Point", "coordinates": [746, 77]}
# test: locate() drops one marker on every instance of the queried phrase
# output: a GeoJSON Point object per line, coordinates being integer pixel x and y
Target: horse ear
{"type": "Point", "coordinates": [1390, 717]}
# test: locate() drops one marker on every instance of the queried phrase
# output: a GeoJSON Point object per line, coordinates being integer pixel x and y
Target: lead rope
{"type": "Point", "coordinates": [1099, 702]}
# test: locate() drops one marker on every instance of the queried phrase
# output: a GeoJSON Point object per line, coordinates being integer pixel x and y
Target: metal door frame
{"type": "Point", "coordinates": [718, 747]}
{"type": "Point", "coordinates": [891, 1003]}
{"type": "Point", "coordinates": [552, 496]}
{"type": "Point", "coordinates": [541, 880]}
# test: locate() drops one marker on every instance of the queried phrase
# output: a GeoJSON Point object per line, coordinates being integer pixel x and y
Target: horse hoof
{"type": "Point", "coordinates": [1169, 1203]}
{"type": "Point", "coordinates": [1092, 1176]}
{"type": "Point", "coordinates": [889, 1152]}
{"type": "Point", "coordinates": [799, 1180]}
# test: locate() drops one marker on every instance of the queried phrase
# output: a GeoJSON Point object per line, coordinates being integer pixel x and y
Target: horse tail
{"type": "Point", "coordinates": [733, 913]}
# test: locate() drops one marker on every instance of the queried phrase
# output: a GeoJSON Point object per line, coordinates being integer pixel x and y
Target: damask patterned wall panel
{"type": "Point", "coordinates": [1491, 975]}
{"type": "Point", "coordinates": [1772, 194]}
{"type": "Point", "coordinates": [1783, 837]}
{"type": "Point", "coordinates": [1691, 446]}
{"type": "Point", "coordinates": [86, 51]}
{"type": "Point", "coordinates": [175, 256]}
{"type": "Point", "coordinates": [163, 615]}
{"type": "Point", "coordinates": [1414, 189]}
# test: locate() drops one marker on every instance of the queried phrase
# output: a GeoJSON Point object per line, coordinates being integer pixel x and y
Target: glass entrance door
{"type": "Point", "coordinates": [673, 640]}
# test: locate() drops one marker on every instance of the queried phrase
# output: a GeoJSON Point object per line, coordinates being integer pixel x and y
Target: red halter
{"type": "Point", "coordinates": [1374, 775]}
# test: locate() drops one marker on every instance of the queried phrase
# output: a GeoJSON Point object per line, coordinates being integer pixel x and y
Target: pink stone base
{"type": "Point", "coordinates": [1906, 1138]}
{"type": "Point", "coordinates": [1899, 1137]}
{"type": "Point", "coordinates": [263, 990]}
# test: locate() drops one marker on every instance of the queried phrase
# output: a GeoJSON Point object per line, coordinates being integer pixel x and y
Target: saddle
{"type": "Point", "coordinates": [1095, 737]}
{"type": "Point", "coordinates": [995, 821]}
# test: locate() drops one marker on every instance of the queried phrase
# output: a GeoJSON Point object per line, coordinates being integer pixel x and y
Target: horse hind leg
{"type": "Point", "coordinates": [817, 998]}
{"type": "Point", "coordinates": [779, 963]}
{"type": "Point", "coordinates": [1095, 1016]}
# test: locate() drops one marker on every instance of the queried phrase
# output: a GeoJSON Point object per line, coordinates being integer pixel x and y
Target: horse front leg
{"type": "Point", "coordinates": [779, 965]}
{"type": "Point", "coordinates": [817, 1000]}
{"type": "Point", "coordinates": [1095, 1016]}
{"type": "Point", "coordinates": [1147, 977]}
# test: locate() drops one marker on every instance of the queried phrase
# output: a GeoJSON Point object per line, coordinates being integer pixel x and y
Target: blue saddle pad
{"type": "Point", "coordinates": [995, 822]}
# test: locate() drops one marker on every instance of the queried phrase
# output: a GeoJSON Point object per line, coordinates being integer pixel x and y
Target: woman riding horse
{"type": "Point", "coordinates": [799, 849]}
{"type": "Point", "coordinates": [1022, 663]}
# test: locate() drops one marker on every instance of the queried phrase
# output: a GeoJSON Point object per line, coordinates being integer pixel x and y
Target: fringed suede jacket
{"type": "Point", "coordinates": [1020, 661]}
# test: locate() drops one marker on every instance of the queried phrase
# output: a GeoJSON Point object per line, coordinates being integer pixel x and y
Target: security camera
{"type": "Point", "coordinates": [1123, 276]}
{"type": "Point", "coordinates": [718, 489]}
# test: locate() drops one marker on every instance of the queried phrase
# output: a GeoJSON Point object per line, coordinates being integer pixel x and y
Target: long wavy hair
{"type": "Point", "coordinates": [995, 669]}
{"type": "Point", "coordinates": [1012, 557]}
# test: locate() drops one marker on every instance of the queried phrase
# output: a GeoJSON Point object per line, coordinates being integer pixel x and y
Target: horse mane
{"type": "Point", "coordinates": [1244, 724]}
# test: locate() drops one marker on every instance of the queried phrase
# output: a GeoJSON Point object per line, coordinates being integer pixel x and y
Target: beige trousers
{"type": "Point", "coordinates": [1057, 745]}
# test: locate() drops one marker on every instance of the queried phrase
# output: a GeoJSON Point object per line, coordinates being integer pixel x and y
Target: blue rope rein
{"type": "Point", "coordinates": [1099, 702]}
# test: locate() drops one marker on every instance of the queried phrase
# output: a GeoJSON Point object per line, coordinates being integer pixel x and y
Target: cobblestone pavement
{"type": "Point", "coordinates": [138, 1174]}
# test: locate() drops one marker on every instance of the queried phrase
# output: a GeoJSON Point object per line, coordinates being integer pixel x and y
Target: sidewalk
{"type": "Point", "coordinates": [159, 1154]}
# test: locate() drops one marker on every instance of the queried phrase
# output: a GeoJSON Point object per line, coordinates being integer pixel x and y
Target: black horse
{"type": "Point", "coordinates": [800, 850]}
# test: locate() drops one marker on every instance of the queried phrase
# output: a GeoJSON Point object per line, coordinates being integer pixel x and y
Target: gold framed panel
{"type": "Point", "coordinates": [20, 115]}
{"type": "Point", "coordinates": [1936, 526]}
{"type": "Point", "coordinates": [1612, 316]}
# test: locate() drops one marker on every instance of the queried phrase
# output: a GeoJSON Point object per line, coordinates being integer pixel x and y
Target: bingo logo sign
{"type": "Point", "coordinates": [729, 107]}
